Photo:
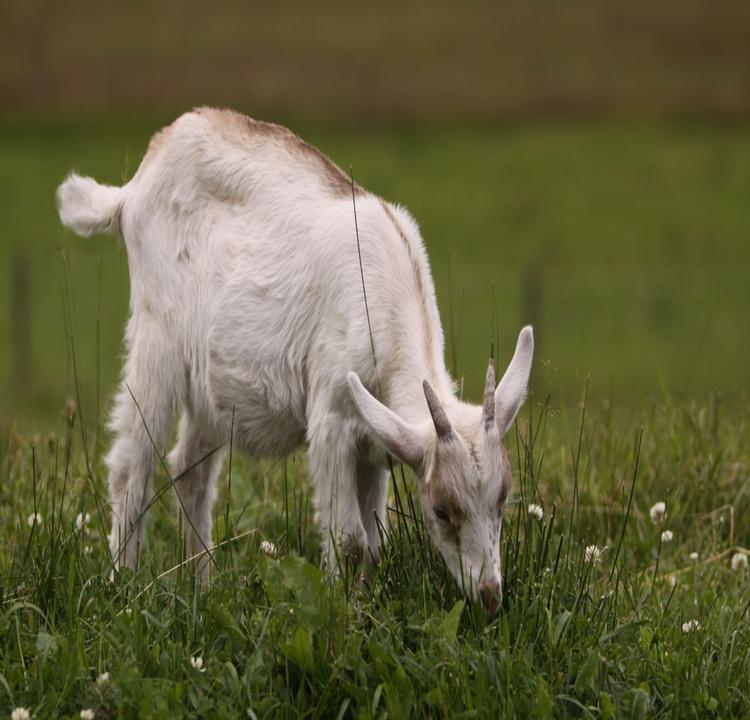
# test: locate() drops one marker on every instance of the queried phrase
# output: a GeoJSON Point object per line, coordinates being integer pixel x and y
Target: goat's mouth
{"type": "Point", "coordinates": [491, 595]}
{"type": "Point", "coordinates": [486, 592]}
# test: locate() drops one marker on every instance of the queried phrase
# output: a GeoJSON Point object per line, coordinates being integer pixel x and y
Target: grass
{"type": "Point", "coordinates": [574, 638]}
{"type": "Point", "coordinates": [624, 244]}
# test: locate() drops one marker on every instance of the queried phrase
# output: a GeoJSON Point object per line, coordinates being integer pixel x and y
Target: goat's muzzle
{"type": "Point", "coordinates": [491, 593]}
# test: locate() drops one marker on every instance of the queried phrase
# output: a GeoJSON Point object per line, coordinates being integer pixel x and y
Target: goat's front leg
{"type": "Point", "coordinates": [333, 471]}
{"type": "Point", "coordinates": [372, 491]}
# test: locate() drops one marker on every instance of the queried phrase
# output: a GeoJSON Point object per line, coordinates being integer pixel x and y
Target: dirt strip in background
{"type": "Point", "coordinates": [379, 61]}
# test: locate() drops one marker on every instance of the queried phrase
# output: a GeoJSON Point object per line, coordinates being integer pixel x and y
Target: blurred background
{"type": "Point", "coordinates": [581, 165]}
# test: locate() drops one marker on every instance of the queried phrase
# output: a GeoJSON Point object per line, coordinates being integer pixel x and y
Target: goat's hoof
{"type": "Point", "coordinates": [352, 553]}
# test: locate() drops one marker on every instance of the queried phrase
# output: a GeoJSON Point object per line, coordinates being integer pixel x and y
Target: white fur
{"type": "Point", "coordinates": [86, 206]}
{"type": "Point", "coordinates": [247, 310]}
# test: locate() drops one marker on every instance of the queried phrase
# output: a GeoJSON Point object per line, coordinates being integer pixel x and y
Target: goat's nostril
{"type": "Point", "coordinates": [490, 594]}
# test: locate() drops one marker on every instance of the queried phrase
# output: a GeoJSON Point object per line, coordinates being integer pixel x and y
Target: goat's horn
{"type": "Point", "coordinates": [443, 426]}
{"type": "Point", "coordinates": [488, 410]}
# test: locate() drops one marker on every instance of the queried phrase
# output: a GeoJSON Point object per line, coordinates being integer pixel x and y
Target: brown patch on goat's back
{"type": "Point", "coordinates": [238, 127]}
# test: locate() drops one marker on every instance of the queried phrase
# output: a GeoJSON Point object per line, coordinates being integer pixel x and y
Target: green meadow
{"type": "Point", "coordinates": [625, 244]}
{"type": "Point", "coordinates": [606, 612]}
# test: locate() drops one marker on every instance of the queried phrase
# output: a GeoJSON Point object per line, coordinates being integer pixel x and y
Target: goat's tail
{"type": "Point", "coordinates": [86, 207]}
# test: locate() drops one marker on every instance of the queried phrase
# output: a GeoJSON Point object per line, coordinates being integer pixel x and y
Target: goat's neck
{"type": "Point", "coordinates": [403, 390]}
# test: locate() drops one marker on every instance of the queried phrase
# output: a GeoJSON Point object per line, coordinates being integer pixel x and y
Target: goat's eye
{"type": "Point", "coordinates": [441, 514]}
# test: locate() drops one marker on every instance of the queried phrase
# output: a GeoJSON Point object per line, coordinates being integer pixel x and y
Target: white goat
{"type": "Point", "coordinates": [247, 311]}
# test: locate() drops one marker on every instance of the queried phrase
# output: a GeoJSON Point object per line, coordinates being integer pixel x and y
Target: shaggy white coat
{"type": "Point", "coordinates": [247, 312]}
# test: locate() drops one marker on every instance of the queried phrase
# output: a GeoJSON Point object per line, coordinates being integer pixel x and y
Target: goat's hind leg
{"type": "Point", "coordinates": [195, 464]}
{"type": "Point", "coordinates": [141, 421]}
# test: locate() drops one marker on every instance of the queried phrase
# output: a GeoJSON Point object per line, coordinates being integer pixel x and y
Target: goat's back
{"type": "Point", "coordinates": [242, 250]}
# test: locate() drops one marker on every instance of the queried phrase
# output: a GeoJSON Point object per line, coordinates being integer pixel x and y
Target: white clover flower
{"type": "Point", "coordinates": [667, 536]}
{"type": "Point", "coordinates": [268, 548]}
{"type": "Point", "coordinates": [197, 662]}
{"type": "Point", "coordinates": [20, 713]}
{"type": "Point", "coordinates": [658, 512]}
{"type": "Point", "coordinates": [34, 519]}
{"type": "Point", "coordinates": [102, 680]}
{"type": "Point", "coordinates": [536, 511]}
{"type": "Point", "coordinates": [128, 611]}
{"type": "Point", "coordinates": [82, 519]}
{"type": "Point", "coordinates": [739, 562]}
{"type": "Point", "coordinates": [593, 554]}
{"type": "Point", "coordinates": [693, 556]}
{"type": "Point", "coordinates": [88, 714]}
{"type": "Point", "coordinates": [690, 626]}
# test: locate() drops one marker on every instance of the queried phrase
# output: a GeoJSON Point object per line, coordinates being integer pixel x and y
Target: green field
{"type": "Point", "coordinates": [627, 247]}
{"type": "Point", "coordinates": [647, 631]}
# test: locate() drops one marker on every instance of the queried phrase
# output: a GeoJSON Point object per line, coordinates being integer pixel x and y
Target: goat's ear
{"type": "Point", "coordinates": [401, 439]}
{"type": "Point", "coordinates": [511, 392]}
